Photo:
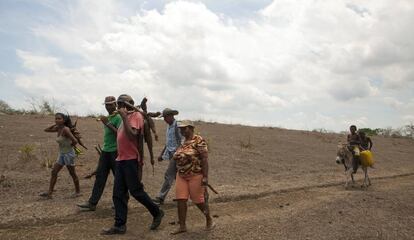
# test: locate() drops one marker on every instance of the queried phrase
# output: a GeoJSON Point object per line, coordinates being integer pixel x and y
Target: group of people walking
{"type": "Point", "coordinates": [126, 128]}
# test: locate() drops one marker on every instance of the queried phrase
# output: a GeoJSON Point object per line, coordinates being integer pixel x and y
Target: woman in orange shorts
{"type": "Point", "coordinates": [192, 175]}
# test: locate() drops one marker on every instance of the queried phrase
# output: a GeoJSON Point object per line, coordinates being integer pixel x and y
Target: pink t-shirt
{"type": "Point", "coordinates": [127, 149]}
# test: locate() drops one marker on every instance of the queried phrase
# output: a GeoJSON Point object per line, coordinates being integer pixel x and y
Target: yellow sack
{"type": "Point", "coordinates": [366, 158]}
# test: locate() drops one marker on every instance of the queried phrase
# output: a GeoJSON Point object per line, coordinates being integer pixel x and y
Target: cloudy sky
{"type": "Point", "coordinates": [300, 64]}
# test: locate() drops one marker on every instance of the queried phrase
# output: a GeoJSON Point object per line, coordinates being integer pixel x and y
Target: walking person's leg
{"type": "Point", "coordinates": [182, 216]}
{"type": "Point", "coordinates": [102, 171]}
{"type": "Point", "coordinates": [119, 192]}
{"type": "Point", "coordinates": [355, 159]}
{"type": "Point", "coordinates": [75, 179]}
{"type": "Point", "coordinates": [120, 202]}
{"type": "Point", "coordinates": [101, 177]}
{"type": "Point", "coordinates": [169, 178]}
{"type": "Point", "coordinates": [182, 192]}
{"type": "Point", "coordinates": [53, 178]}
{"type": "Point", "coordinates": [136, 189]}
{"type": "Point", "coordinates": [113, 167]}
{"type": "Point", "coordinates": [197, 195]}
{"type": "Point", "coordinates": [112, 162]}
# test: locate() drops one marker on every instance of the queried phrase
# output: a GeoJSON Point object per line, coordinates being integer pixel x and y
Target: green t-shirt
{"type": "Point", "coordinates": [109, 144]}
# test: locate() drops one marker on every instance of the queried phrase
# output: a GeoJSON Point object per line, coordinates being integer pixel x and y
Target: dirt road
{"type": "Point", "coordinates": [384, 211]}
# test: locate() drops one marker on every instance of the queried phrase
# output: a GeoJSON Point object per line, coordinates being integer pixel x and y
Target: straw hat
{"type": "Point", "coordinates": [185, 123]}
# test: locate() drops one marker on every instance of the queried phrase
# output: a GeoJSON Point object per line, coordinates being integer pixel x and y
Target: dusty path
{"type": "Point", "coordinates": [384, 211]}
{"type": "Point", "coordinates": [291, 173]}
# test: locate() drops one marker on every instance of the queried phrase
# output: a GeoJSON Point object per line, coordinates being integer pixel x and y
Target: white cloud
{"type": "Point", "coordinates": [409, 118]}
{"type": "Point", "coordinates": [292, 55]}
{"type": "Point", "coordinates": [392, 102]}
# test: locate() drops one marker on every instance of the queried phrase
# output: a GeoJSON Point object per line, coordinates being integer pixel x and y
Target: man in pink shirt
{"type": "Point", "coordinates": [128, 166]}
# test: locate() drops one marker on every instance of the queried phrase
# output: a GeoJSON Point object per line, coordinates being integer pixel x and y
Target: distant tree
{"type": "Point", "coordinates": [4, 107]}
{"type": "Point", "coordinates": [409, 129]}
{"type": "Point", "coordinates": [386, 132]}
{"type": "Point", "coordinates": [320, 130]}
{"type": "Point", "coordinates": [43, 107]}
{"type": "Point", "coordinates": [47, 108]}
{"type": "Point", "coordinates": [369, 131]}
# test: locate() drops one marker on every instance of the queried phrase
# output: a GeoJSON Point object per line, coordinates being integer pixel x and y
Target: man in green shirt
{"type": "Point", "coordinates": [109, 153]}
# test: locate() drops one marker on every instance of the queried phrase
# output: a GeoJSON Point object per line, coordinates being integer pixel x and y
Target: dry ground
{"type": "Point", "coordinates": [284, 185]}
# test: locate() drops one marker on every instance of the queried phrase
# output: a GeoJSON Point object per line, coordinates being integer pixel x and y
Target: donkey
{"type": "Point", "coordinates": [344, 156]}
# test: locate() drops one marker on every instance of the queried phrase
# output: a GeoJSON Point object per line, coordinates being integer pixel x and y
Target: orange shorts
{"type": "Point", "coordinates": [189, 186]}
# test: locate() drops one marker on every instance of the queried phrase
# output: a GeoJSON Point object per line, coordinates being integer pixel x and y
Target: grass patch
{"type": "Point", "coordinates": [26, 153]}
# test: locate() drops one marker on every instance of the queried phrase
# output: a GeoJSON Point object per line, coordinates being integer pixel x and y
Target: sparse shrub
{"type": "Point", "coordinates": [43, 107]}
{"type": "Point", "coordinates": [208, 141]}
{"type": "Point", "coordinates": [370, 132]}
{"type": "Point", "coordinates": [386, 132]}
{"type": "Point", "coordinates": [402, 132]}
{"type": "Point", "coordinates": [409, 130]}
{"type": "Point", "coordinates": [93, 115]}
{"type": "Point", "coordinates": [47, 158]}
{"type": "Point", "coordinates": [47, 108]}
{"type": "Point", "coordinates": [27, 152]}
{"type": "Point", "coordinates": [320, 130]}
{"type": "Point", "coordinates": [2, 178]}
{"type": "Point", "coordinates": [246, 145]}
{"type": "Point", "coordinates": [4, 182]}
{"type": "Point", "coordinates": [4, 107]}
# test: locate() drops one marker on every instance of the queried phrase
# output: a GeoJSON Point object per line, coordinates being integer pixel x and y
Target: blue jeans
{"type": "Point", "coordinates": [169, 178]}
{"type": "Point", "coordinates": [128, 179]}
{"type": "Point", "coordinates": [66, 159]}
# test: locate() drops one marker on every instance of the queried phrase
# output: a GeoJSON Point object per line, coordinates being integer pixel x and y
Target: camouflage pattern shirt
{"type": "Point", "coordinates": [188, 156]}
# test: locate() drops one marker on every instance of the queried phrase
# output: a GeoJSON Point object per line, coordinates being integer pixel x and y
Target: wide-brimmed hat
{"type": "Point", "coordinates": [185, 123]}
{"type": "Point", "coordinates": [109, 100]}
{"type": "Point", "coordinates": [168, 111]}
{"type": "Point", "coordinates": [125, 98]}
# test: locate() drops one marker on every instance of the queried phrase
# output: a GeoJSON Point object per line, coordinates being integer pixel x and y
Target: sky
{"type": "Point", "coordinates": [297, 64]}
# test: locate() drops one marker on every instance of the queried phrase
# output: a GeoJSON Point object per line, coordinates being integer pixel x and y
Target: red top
{"type": "Point", "coordinates": [127, 149]}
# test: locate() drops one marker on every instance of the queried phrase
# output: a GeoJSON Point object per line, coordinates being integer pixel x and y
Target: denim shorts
{"type": "Point", "coordinates": [66, 159]}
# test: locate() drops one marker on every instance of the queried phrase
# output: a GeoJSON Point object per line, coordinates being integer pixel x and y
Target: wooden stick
{"type": "Point", "coordinates": [212, 189]}
{"type": "Point", "coordinates": [98, 150]}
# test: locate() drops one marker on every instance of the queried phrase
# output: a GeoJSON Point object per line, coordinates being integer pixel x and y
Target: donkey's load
{"type": "Point", "coordinates": [366, 158]}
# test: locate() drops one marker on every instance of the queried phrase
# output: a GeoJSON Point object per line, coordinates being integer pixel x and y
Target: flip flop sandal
{"type": "Point", "coordinates": [178, 231]}
{"type": "Point", "coordinates": [211, 227]}
{"type": "Point", "coordinates": [75, 195]}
